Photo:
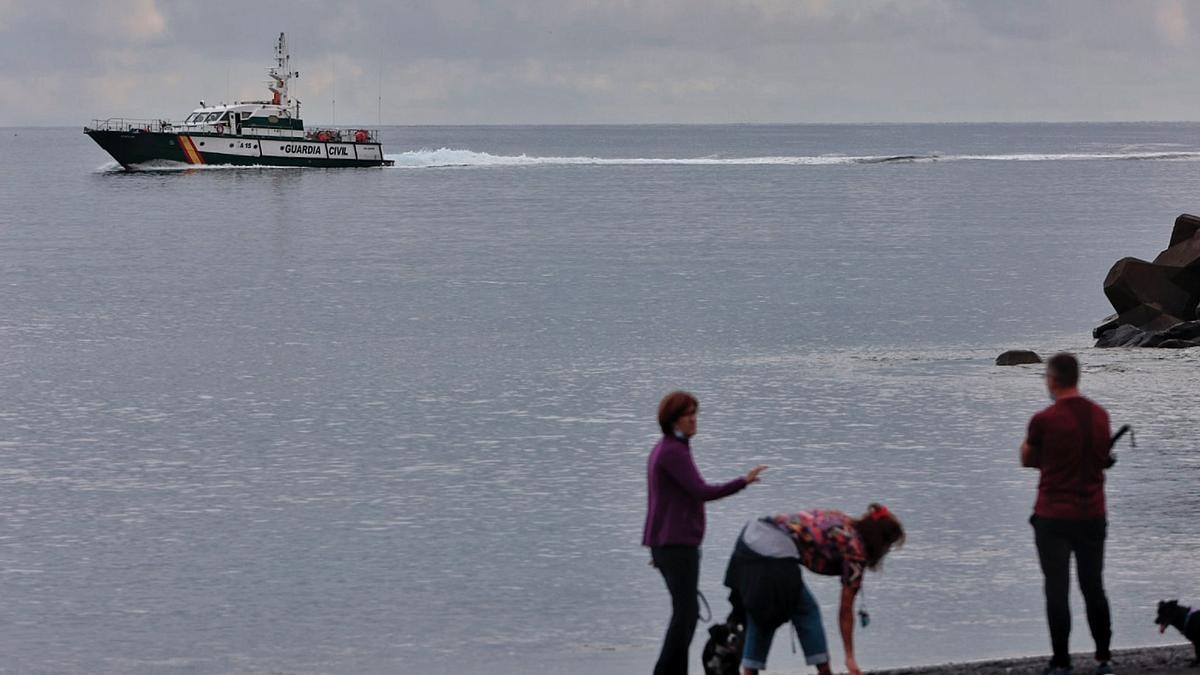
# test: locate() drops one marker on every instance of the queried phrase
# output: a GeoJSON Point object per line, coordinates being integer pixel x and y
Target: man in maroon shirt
{"type": "Point", "coordinates": [1069, 443]}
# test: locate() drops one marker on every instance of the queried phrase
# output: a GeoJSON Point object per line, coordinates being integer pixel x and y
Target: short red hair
{"type": "Point", "coordinates": [673, 406]}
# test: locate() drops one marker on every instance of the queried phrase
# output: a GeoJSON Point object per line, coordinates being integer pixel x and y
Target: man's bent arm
{"type": "Point", "coordinates": [1029, 456]}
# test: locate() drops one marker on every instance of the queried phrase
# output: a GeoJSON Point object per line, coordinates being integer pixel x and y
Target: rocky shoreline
{"type": "Point", "coordinates": [1141, 661]}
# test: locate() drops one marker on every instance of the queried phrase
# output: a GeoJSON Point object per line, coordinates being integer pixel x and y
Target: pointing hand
{"type": "Point", "coordinates": [752, 477]}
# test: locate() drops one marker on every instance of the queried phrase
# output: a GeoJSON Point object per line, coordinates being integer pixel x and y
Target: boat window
{"type": "Point", "coordinates": [246, 115]}
{"type": "Point", "coordinates": [212, 117]}
{"type": "Point", "coordinates": [191, 118]}
{"type": "Point", "coordinates": [224, 116]}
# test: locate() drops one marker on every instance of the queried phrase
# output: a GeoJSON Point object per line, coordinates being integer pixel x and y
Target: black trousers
{"type": "Point", "coordinates": [1056, 540]}
{"type": "Point", "coordinates": [680, 567]}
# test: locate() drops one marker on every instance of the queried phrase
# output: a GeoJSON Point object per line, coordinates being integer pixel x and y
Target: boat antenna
{"type": "Point", "coordinates": [281, 73]}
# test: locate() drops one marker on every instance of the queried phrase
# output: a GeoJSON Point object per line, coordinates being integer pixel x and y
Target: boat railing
{"type": "Point", "coordinates": [133, 126]}
{"type": "Point", "coordinates": [322, 135]}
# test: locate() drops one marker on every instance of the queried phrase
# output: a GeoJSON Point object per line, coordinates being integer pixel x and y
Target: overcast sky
{"type": "Point", "coordinates": [595, 61]}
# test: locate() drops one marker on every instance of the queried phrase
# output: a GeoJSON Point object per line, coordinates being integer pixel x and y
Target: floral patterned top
{"type": "Point", "coordinates": [828, 543]}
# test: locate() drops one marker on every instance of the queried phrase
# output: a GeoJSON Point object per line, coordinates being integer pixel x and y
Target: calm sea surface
{"type": "Point", "coordinates": [396, 420]}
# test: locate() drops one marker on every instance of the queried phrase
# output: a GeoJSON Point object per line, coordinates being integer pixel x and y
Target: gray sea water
{"type": "Point", "coordinates": [396, 420]}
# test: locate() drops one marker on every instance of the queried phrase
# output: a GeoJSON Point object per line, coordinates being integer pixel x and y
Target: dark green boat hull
{"type": "Point", "coordinates": [135, 150]}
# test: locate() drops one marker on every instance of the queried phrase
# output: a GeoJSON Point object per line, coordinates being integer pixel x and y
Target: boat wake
{"type": "Point", "coordinates": [165, 165]}
{"type": "Point", "coordinates": [450, 157]}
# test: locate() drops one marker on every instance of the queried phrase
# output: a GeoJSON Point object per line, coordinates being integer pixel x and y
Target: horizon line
{"type": "Point", "coordinates": [687, 124]}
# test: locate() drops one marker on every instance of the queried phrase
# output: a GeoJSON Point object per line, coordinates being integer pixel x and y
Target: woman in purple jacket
{"type": "Point", "coordinates": [675, 522]}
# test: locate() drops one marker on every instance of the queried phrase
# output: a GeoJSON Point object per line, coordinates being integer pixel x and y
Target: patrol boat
{"type": "Point", "coordinates": [263, 133]}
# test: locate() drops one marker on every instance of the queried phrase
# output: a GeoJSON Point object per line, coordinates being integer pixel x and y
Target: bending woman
{"type": "Point", "coordinates": [675, 522]}
{"type": "Point", "coordinates": [764, 575]}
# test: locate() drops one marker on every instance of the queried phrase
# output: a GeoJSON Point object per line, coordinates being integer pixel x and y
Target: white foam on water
{"type": "Point", "coordinates": [452, 157]}
{"type": "Point", "coordinates": [166, 165]}
{"type": "Point", "coordinates": [1079, 156]}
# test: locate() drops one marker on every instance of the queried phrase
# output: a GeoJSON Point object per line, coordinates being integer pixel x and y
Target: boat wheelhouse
{"type": "Point", "coordinates": [264, 133]}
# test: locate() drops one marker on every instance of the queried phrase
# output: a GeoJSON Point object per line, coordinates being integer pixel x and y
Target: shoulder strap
{"type": "Point", "coordinates": [1084, 420]}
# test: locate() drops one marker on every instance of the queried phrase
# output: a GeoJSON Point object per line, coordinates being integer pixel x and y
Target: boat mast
{"type": "Point", "coordinates": [280, 74]}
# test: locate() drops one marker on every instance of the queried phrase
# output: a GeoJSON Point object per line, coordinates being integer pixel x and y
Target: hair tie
{"type": "Point", "coordinates": [880, 512]}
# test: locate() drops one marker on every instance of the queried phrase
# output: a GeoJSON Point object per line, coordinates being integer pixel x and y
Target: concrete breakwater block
{"type": "Point", "coordinates": [1017, 357]}
{"type": "Point", "coordinates": [1186, 227]}
{"type": "Point", "coordinates": [1132, 283]}
{"type": "Point", "coordinates": [1185, 254]}
{"type": "Point", "coordinates": [1156, 302]}
{"type": "Point", "coordinates": [1142, 317]}
{"type": "Point", "coordinates": [1181, 335]}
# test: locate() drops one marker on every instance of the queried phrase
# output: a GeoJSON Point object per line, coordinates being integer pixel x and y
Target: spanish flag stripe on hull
{"type": "Point", "coordinates": [183, 146]}
{"type": "Point", "coordinates": [189, 150]}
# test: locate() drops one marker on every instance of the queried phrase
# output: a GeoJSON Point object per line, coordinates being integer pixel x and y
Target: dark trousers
{"type": "Point", "coordinates": [1056, 540]}
{"type": "Point", "coordinates": [680, 567]}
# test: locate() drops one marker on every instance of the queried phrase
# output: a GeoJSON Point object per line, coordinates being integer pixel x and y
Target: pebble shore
{"type": "Point", "coordinates": [1143, 661]}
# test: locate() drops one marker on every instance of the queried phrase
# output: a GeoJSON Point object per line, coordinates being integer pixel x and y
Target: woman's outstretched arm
{"type": "Point", "coordinates": [682, 469]}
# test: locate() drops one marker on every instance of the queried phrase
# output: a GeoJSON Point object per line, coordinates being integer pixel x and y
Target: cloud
{"type": "Point", "coordinates": [132, 20]}
{"type": "Point", "coordinates": [1171, 19]}
{"type": "Point", "coordinates": [540, 61]}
